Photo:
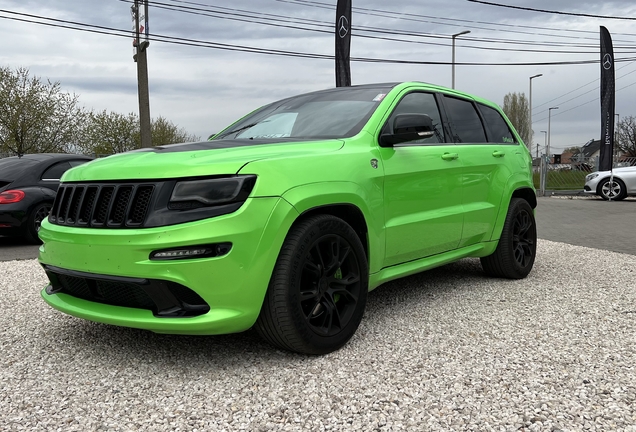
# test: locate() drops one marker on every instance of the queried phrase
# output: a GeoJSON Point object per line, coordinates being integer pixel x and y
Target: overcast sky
{"type": "Point", "coordinates": [205, 89]}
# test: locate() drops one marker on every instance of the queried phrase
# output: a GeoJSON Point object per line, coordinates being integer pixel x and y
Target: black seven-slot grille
{"type": "Point", "coordinates": [102, 205]}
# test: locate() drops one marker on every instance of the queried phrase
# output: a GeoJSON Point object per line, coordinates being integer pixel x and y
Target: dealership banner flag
{"type": "Point", "coordinates": [343, 43]}
{"type": "Point", "coordinates": [607, 101]}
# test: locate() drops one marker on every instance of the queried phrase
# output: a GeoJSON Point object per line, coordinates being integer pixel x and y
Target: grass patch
{"type": "Point", "coordinates": [562, 180]}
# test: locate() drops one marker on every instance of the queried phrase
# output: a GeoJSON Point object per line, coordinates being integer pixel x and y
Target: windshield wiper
{"type": "Point", "coordinates": [236, 131]}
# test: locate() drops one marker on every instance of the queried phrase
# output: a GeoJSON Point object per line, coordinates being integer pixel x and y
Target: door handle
{"type": "Point", "coordinates": [498, 154]}
{"type": "Point", "coordinates": [450, 156]}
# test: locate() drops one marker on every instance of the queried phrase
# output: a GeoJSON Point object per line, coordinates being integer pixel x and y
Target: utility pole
{"type": "Point", "coordinates": [140, 46]}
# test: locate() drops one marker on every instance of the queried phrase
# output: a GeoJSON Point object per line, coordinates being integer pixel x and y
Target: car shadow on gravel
{"type": "Point", "coordinates": [103, 342]}
{"type": "Point", "coordinates": [122, 345]}
{"type": "Point", "coordinates": [437, 281]}
{"type": "Point", "coordinates": [13, 241]}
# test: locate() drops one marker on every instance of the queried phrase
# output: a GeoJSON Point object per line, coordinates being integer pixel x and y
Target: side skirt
{"type": "Point", "coordinates": [388, 274]}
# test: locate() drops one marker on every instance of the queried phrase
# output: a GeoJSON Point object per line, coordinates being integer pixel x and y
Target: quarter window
{"type": "Point", "coordinates": [75, 163]}
{"type": "Point", "coordinates": [497, 126]}
{"type": "Point", "coordinates": [466, 123]}
{"type": "Point", "coordinates": [55, 172]}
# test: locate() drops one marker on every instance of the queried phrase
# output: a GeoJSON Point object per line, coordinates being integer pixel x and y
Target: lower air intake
{"type": "Point", "coordinates": [163, 298]}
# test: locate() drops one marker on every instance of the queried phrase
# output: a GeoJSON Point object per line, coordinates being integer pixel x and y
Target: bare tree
{"type": "Point", "coordinates": [165, 132]}
{"type": "Point", "coordinates": [36, 116]}
{"type": "Point", "coordinates": [517, 109]}
{"type": "Point", "coordinates": [627, 136]}
{"type": "Point", "coordinates": [106, 133]}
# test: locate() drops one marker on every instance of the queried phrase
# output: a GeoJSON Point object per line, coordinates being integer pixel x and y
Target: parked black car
{"type": "Point", "coordinates": [28, 185]}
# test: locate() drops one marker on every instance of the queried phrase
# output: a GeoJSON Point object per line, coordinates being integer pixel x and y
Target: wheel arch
{"type": "Point", "coordinates": [527, 194]}
{"type": "Point", "coordinates": [349, 202]}
{"type": "Point", "coordinates": [517, 190]}
{"type": "Point", "coordinates": [306, 309]}
{"type": "Point", "coordinates": [349, 213]}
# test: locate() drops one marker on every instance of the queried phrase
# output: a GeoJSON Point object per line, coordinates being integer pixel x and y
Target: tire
{"type": "Point", "coordinates": [318, 290]}
{"type": "Point", "coordinates": [616, 192]}
{"type": "Point", "coordinates": [37, 215]}
{"type": "Point", "coordinates": [517, 248]}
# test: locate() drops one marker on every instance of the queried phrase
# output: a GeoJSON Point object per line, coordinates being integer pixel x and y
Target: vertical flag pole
{"type": "Point", "coordinates": [343, 43]}
{"type": "Point", "coordinates": [608, 101]}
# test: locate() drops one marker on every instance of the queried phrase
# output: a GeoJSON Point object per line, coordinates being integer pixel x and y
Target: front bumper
{"type": "Point", "coordinates": [232, 286]}
{"type": "Point", "coordinates": [591, 186]}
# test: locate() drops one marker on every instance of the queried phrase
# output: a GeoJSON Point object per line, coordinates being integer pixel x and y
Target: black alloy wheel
{"type": "Point", "coordinates": [517, 247]}
{"type": "Point", "coordinates": [329, 285]}
{"type": "Point", "coordinates": [318, 290]}
{"type": "Point", "coordinates": [523, 238]}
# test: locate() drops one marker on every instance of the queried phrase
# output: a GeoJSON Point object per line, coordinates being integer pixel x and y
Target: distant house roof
{"type": "Point", "coordinates": [591, 147]}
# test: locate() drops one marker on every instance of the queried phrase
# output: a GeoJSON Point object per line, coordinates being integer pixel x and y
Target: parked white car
{"type": "Point", "coordinates": [623, 184]}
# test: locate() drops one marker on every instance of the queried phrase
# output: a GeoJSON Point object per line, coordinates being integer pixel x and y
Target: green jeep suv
{"type": "Point", "coordinates": [286, 219]}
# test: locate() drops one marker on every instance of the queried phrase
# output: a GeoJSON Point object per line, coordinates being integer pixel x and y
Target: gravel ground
{"type": "Point", "coordinates": [446, 350]}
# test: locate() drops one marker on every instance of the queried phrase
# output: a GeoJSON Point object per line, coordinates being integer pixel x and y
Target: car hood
{"type": "Point", "coordinates": [193, 159]}
{"type": "Point", "coordinates": [617, 171]}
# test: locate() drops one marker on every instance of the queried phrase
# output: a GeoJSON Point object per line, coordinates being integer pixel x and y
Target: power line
{"type": "Point", "coordinates": [326, 6]}
{"type": "Point", "coordinates": [594, 81]}
{"type": "Point", "coordinates": [240, 15]}
{"type": "Point", "coordinates": [279, 21]}
{"type": "Point", "coordinates": [552, 12]}
{"type": "Point", "coordinates": [328, 29]}
{"type": "Point", "coordinates": [73, 25]}
{"type": "Point", "coordinates": [584, 103]}
{"type": "Point", "coordinates": [509, 28]}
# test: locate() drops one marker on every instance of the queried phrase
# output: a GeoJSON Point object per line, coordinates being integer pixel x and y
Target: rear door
{"type": "Point", "coordinates": [486, 147]}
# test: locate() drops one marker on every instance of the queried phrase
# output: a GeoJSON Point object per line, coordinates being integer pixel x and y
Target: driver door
{"type": "Point", "coordinates": [422, 189]}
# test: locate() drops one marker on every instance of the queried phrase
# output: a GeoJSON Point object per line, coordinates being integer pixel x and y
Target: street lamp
{"type": "Point", "coordinates": [530, 116]}
{"type": "Point", "coordinates": [453, 62]}
{"type": "Point", "coordinates": [545, 141]}
{"type": "Point", "coordinates": [548, 145]}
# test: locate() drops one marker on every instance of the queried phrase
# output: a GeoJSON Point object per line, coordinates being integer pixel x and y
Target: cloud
{"type": "Point", "coordinates": [205, 89]}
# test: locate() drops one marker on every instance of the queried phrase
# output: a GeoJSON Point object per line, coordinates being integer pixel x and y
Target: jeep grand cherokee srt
{"type": "Point", "coordinates": [286, 219]}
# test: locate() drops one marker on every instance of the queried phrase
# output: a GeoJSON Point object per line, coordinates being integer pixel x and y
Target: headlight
{"type": "Point", "coordinates": [192, 194]}
{"type": "Point", "coordinates": [196, 199]}
{"type": "Point", "coordinates": [591, 177]}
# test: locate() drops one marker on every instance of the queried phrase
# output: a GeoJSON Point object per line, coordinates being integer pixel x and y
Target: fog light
{"type": "Point", "coordinates": [190, 252]}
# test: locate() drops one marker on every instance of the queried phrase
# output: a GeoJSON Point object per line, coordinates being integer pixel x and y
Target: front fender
{"type": "Point", "coordinates": [366, 199]}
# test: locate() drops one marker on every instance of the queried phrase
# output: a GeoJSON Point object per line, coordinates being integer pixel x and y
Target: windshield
{"type": "Point", "coordinates": [336, 113]}
{"type": "Point", "coordinates": [12, 168]}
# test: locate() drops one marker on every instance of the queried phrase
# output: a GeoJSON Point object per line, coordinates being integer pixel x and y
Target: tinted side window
{"type": "Point", "coordinates": [419, 103]}
{"type": "Point", "coordinates": [55, 172]}
{"type": "Point", "coordinates": [466, 124]}
{"type": "Point", "coordinates": [499, 130]}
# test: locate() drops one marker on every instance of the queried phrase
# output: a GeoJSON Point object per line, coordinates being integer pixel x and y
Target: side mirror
{"type": "Point", "coordinates": [408, 127]}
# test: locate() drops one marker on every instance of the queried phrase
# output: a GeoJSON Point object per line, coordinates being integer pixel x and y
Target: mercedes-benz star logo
{"type": "Point", "coordinates": [343, 26]}
{"type": "Point", "coordinates": [607, 61]}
